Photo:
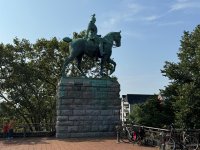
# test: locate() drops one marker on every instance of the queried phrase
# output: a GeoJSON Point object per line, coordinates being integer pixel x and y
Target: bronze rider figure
{"type": "Point", "coordinates": [91, 34]}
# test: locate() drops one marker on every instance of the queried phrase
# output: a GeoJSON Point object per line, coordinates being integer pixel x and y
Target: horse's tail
{"type": "Point", "coordinates": [67, 39]}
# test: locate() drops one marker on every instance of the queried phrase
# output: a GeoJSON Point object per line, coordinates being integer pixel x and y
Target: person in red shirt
{"type": "Point", "coordinates": [5, 130]}
{"type": "Point", "coordinates": [11, 126]}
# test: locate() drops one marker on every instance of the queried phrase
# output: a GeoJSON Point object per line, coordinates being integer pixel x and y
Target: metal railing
{"type": "Point", "coordinates": [155, 136]}
{"type": "Point", "coordinates": [31, 130]}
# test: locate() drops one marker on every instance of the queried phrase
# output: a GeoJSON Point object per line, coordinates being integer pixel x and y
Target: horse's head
{"type": "Point", "coordinates": [117, 38]}
{"type": "Point", "coordinates": [114, 38]}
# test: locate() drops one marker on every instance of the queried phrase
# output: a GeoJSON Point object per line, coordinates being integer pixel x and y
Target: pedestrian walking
{"type": "Point", "coordinates": [5, 129]}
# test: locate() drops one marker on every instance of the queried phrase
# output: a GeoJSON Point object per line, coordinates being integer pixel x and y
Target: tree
{"type": "Point", "coordinates": [184, 88]}
{"type": "Point", "coordinates": [29, 77]}
{"type": "Point", "coordinates": [152, 113]}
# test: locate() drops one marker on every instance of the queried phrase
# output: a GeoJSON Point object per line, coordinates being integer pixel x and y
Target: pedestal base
{"type": "Point", "coordinates": [87, 107]}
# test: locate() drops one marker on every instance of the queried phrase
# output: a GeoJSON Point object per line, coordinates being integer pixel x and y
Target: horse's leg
{"type": "Point", "coordinates": [79, 59]}
{"type": "Point", "coordinates": [114, 64]}
{"type": "Point", "coordinates": [67, 61]}
{"type": "Point", "coordinates": [102, 65]}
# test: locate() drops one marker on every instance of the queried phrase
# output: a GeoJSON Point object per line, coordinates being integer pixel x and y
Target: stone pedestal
{"type": "Point", "coordinates": [87, 107]}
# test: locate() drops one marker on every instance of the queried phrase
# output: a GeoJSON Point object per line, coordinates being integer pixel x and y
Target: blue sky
{"type": "Point", "coordinates": [151, 31]}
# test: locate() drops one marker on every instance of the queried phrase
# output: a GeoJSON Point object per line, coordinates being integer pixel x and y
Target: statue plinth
{"type": "Point", "coordinates": [87, 107]}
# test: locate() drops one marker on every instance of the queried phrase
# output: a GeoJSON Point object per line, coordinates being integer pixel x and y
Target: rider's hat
{"type": "Point", "coordinates": [93, 17]}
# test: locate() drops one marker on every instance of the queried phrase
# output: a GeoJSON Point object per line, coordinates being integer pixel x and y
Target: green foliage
{"type": "Point", "coordinates": [30, 73]}
{"type": "Point", "coordinates": [152, 113]}
{"type": "Point", "coordinates": [29, 76]}
{"type": "Point", "coordinates": [184, 88]}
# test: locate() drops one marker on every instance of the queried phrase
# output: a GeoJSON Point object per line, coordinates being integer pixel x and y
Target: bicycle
{"type": "Point", "coordinates": [185, 142]}
{"type": "Point", "coordinates": [129, 135]}
{"type": "Point", "coordinates": [150, 139]}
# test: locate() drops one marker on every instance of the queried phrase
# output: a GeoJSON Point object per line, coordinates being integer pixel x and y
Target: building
{"type": "Point", "coordinates": [131, 99]}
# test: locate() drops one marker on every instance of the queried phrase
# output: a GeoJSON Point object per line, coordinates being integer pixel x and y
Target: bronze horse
{"type": "Point", "coordinates": [81, 46]}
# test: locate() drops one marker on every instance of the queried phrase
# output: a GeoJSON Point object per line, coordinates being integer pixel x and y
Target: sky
{"type": "Point", "coordinates": [151, 31]}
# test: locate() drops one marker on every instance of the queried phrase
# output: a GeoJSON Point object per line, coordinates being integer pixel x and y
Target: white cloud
{"type": "Point", "coordinates": [132, 12]}
{"type": "Point", "coordinates": [135, 8]}
{"type": "Point", "coordinates": [135, 12]}
{"type": "Point", "coordinates": [170, 23]}
{"type": "Point", "coordinates": [127, 13]}
{"type": "Point", "coordinates": [184, 4]}
{"type": "Point", "coordinates": [111, 22]}
{"type": "Point", "coordinates": [151, 18]}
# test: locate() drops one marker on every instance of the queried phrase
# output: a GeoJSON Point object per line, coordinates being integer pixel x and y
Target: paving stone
{"type": "Point", "coordinates": [66, 143]}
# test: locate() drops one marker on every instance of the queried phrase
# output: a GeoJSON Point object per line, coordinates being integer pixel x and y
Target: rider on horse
{"type": "Point", "coordinates": [93, 46]}
{"type": "Point", "coordinates": [91, 34]}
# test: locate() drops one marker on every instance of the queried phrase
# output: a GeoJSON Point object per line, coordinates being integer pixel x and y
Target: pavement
{"type": "Point", "coordinates": [68, 144]}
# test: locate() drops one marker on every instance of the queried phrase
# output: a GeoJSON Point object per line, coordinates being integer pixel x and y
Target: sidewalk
{"type": "Point", "coordinates": [67, 144]}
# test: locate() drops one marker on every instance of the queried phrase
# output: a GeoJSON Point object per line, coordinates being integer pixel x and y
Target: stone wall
{"type": "Point", "coordinates": [87, 107]}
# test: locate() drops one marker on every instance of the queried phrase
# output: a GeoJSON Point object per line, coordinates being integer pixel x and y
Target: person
{"type": "Point", "coordinates": [5, 130]}
{"type": "Point", "coordinates": [141, 134]}
{"type": "Point", "coordinates": [91, 34]}
{"type": "Point", "coordinates": [11, 125]}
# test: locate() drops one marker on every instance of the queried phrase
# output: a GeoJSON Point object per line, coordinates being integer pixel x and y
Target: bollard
{"type": "Point", "coordinates": [24, 130]}
{"type": "Point", "coordinates": [118, 140]}
{"type": "Point", "coordinates": [162, 140]}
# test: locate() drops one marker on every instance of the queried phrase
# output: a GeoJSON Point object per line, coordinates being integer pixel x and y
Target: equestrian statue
{"type": "Point", "coordinates": [94, 46]}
